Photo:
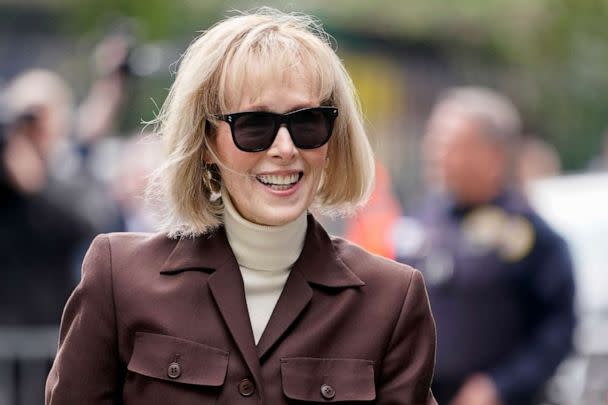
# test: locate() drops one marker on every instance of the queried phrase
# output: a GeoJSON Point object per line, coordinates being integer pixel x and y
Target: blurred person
{"type": "Point", "coordinates": [47, 219]}
{"type": "Point", "coordinates": [89, 160]}
{"type": "Point", "coordinates": [139, 157]}
{"type": "Point", "coordinates": [47, 98]}
{"type": "Point", "coordinates": [499, 279]}
{"type": "Point", "coordinates": [536, 159]}
{"type": "Point", "coordinates": [39, 240]}
{"type": "Point", "coordinates": [97, 114]}
{"type": "Point", "coordinates": [39, 244]}
{"type": "Point", "coordinates": [243, 297]}
{"type": "Point", "coordinates": [68, 182]}
{"type": "Point", "coordinates": [371, 226]}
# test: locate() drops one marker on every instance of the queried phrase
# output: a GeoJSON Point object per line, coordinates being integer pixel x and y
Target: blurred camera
{"type": "Point", "coordinates": [121, 53]}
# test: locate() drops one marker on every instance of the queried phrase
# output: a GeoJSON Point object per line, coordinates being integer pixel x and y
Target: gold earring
{"type": "Point", "coordinates": [212, 181]}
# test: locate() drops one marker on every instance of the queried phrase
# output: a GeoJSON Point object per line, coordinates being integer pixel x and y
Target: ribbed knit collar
{"type": "Point", "coordinates": [259, 247]}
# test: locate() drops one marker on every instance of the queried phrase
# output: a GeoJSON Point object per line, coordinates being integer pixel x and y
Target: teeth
{"type": "Point", "coordinates": [278, 180]}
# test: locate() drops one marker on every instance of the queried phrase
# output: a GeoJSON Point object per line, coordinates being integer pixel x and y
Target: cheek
{"type": "Point", "coordinates": [316, 158]}
{"type": "Point", "coordinates": [229, 156]}
{"type": "Point", "coordinates": [219, 142]}
{"type": "Point", "coordinates": [463, 157]}
{"type": "Point", "coordinates": [451, 161]}
{"type": "Point", "coordinates": [316, 163]}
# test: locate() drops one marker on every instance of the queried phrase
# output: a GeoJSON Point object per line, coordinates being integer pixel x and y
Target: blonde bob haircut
{"type": "Point", "coordinates": [253, 49]}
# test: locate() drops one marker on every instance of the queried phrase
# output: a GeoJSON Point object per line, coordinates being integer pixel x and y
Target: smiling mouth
{"type": "Point", "coordinates": [280, 182]}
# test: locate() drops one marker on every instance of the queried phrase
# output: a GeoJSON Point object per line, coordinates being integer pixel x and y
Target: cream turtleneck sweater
{"type": "Point", "coordinates": [265, 255]}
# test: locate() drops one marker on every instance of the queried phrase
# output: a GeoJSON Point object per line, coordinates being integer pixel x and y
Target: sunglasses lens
{"type": "Point", "coordinates": [254, 132]}
{"type": "Point", "coordinates": [310, 128]}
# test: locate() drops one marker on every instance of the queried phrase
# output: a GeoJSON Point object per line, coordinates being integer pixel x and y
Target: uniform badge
{"type": "Point", "coordinates": [492, 228]}
{"type": "Point", "coordinates": [483, 227]}
{"type": "Point", "coordinates": [517, 239]}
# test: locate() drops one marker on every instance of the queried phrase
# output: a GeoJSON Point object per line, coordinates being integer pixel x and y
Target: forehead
{"type": "Point", "coordinates": [449, 122]}
{"type": "Point", "coordinates": [281, 96]}
{"type": "Point", "coordinates": [253, 75]}
{"type": "Point", "coordinates": [259, 82]}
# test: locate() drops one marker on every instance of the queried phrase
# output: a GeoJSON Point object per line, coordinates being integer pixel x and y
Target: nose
{"type": "Point", "coordinates": [283, 146]}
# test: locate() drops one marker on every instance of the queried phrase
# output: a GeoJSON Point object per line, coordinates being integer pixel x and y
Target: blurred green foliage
{"type": "Point", "coordinates": [551, 56]}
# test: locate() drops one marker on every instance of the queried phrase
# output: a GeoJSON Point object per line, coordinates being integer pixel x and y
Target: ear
{"type": "Point", "coordinates": [207, 156]}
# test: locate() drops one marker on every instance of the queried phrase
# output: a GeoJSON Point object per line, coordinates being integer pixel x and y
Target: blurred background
{"type": "Point", "coordinates": [549, 56]}
{"type": "Point", "coordinates": [112, 62]}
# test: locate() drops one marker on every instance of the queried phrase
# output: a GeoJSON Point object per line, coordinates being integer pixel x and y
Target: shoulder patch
{"type": "Point", "coordinates": [517, 239]}
{"type": "Point", "coordinates": [483, 227]}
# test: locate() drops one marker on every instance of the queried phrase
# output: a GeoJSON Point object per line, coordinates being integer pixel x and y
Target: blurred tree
{"type": "Point", "coordinates": [159, 19]}
{"type": "Point", "coordinates": [549, 55]}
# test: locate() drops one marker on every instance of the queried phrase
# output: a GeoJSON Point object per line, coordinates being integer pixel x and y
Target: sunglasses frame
{"type": "Point", "coordinates": [280, 120]}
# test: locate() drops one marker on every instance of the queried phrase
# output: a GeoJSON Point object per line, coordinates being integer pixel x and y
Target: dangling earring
{"type": "Point", "coordinates": [212, 181]}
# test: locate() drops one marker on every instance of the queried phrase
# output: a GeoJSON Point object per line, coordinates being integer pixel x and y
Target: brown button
{"type": "Point", "coordinates": [246, 388]}
{"type": "Point", "coordinates": [327, 391]}
{"type": "Point", "coordinates": [174, 370]}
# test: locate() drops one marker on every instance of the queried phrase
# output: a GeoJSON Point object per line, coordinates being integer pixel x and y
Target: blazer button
{"type": "Point", "coordinates": [246, 388]}
{"type": "Point", "coordinates": [174, 370]}
{"type": "Point", "coordinates": [327, 391]}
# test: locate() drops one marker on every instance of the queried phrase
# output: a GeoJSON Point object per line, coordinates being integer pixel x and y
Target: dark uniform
{"type": "Point", "coordinates": [501, 288]}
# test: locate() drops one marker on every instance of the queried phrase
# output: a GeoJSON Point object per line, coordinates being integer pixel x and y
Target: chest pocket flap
{"type": "Point", "coordinates": [328, 380]}
{"type": "Point", "coordinates": [173, 359]}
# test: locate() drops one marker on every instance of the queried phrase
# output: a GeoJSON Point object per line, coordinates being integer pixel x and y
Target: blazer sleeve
{"type": "Point", "coordinates": [85, 370]}
{"type": "Point", "coordinates": [407, 368]}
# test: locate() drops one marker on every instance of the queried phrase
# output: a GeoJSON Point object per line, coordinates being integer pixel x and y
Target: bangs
{"type": "Point", "coordinates": [266, 57]}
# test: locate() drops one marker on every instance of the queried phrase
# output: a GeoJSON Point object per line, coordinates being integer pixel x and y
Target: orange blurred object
{"type": "Point", "coordinates": [372, 226]}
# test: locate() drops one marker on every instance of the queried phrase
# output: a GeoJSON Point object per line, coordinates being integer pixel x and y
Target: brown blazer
{"type": "Point", "coordinates": [162, 321]}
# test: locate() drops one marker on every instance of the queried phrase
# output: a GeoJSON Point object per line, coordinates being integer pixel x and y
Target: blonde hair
{"type": "Point", "coordinates": [268, 45]}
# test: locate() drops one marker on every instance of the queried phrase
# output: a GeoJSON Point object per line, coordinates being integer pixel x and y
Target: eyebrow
{"type": "Point", "coordinates": [265, 108]}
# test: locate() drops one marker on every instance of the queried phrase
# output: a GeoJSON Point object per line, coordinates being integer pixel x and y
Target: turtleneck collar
{"type": "Point", "coordinates": [260, 247]}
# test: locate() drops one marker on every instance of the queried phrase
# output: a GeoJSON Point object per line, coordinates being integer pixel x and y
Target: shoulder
{"type": "Point", "coordinates": [138, 240]}
{"type": "Point", "coordinates": [374, 270]}
{"type": "Point", "coordinates": [395, 290]}
{"type": "Point", "coordinates": [519, 207]}
{"type": "Point", "coordinates": [123, 248]}
{"type": "Point", "coordinates": [525, 220]}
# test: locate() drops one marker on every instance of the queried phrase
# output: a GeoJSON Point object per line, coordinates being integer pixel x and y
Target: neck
{"type": "Point", "coordinates": [259, 247]}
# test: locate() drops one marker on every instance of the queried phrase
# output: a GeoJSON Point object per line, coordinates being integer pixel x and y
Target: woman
{"type": "Point", "coordinates": [244, 298]}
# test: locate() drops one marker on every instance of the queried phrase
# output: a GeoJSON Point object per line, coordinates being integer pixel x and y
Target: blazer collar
{"type": "Point", "coordinates": [319, 263]}
{"type": "Point", "coordinates": [207, 252]}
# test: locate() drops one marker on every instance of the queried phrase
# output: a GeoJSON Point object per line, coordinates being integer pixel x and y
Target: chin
{"type": "Point", "coordinates": [280, 217]}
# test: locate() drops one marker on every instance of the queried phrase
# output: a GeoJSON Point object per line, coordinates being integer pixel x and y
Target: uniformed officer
{"type": "Point", "coordinates": [500, 279]}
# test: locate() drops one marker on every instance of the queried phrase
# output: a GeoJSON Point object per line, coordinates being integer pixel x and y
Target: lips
{"type": "Point", "coordinates": [280, 182]}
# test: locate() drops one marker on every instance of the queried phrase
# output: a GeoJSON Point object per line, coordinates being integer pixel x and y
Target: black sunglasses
{"type": "Point", "coordinates": [255, 131]}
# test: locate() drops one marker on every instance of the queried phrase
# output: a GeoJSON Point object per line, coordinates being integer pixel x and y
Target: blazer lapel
{"type": "Point", "coordinates": [226, 286]}
{"type": "Point", "coordinates": [318, 264]}
{"type": "Point", "coordinates": [295, 297]}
